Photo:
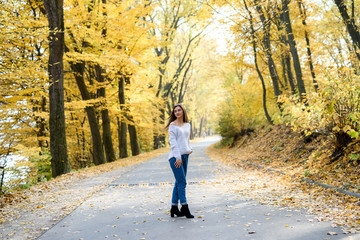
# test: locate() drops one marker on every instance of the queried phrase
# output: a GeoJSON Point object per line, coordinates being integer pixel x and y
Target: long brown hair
{"type": "Point", "coordinates": [173, 117]}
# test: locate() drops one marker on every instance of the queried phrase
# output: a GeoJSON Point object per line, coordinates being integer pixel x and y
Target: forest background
{"type": "Point", "coordinates": [110, 71]}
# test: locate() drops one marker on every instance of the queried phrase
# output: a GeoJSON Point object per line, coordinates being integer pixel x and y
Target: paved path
{"type": "Point", "coordinates": [136, 205]}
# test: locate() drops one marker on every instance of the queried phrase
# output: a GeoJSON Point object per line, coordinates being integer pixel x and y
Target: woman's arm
{"type": "Point", "coordinates": [173, 144]}
{"type": "Point", "coordinates": [191, 150]}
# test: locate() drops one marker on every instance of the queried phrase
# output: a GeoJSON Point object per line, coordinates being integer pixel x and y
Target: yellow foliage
{"type": "Point", "coordinates": [334, 108]}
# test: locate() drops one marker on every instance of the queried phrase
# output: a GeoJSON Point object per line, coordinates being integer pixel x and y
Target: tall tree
{"type": "Point", "coordinates": [107, 139]}
{"type": "Point", "coordinates": [79, 66]}
{"type": "Point", "coordinates": [98, 150]}
{"type": "Point", "coordinates": [289, 72]}
{"type": "Point", "coordinates": [253, 41]}
{"type": "Point", "coordinates": [134, 141]}
{"type": "Point", "coordinates": [106, 126]}
{"type": "Point", "coordinates": [266, 23]}
{"type": "Point", "coordinates": [294, 52]}
{"type": "Point", "coordinates": [127, 121]}
{"type": "Point", "coordinates": [55, 14]}
{"type": "Point", "coordinates": [176, 88]}
{"type": "Point", "coordinates": [122, 125]}
{"type": "Point", "coordinates": [171, 15]}
{"type": "Point", "coordinates": [351, 27]}
{"type": "Point", "coordinates": [303, 15]}
{"type": "Point", "coordinates": [286, 54]}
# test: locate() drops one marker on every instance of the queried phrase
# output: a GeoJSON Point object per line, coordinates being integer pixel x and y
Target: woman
{"type": "Point", "coordinates": [180, 149]}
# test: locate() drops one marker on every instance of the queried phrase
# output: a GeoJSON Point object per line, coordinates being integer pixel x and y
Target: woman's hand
{"type": "Point", "coordinates": [178, 163]}
{"type": "Point", "coordinates": [191, 152]}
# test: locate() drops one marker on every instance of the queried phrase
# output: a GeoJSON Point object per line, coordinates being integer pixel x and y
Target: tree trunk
{"type": "Point", "coordinates": [134, 142]}
{"type": "Point", "coordinates": [191, 130]}
{"type": "Point", "coordinates": [41, 123]}
{"type": "Point", "coordinates": [84, 156]}
{"type": "Point", "coordinates": [159, 138]}
{"type": "Point", "coordinates": [353, 58]}
{"type": "Point", "coordinates": [123, 126]}
{"type": "Point", "coordinates": [98, 152]}
{"type": "Point", "coordinates": [302, 10]}
{"type": "Point", "coordinates": [122, 134]}
{"type": "Point", "coordinates": [294, 53]}
{"type": "Point", "coordinates": [58, 147]}
{"type": "Point", "coordinates": [283, 65]}
{"type": "Point", "coordinates": [285, 57]}
{"type": "Point", "coordinates": [201, 126]}
{"type": "Point", "coordinates": [284, 49]}
{"type": "Point", "coordinates": [256, 64]}
{"type": "Point", "coordinates": [289, 72]}
{"type": "Point", "coordinates": [109, 147]}
{"type": "Point", "coordinates": [266, 40]}
{"type": "Point", "coordinates": [107, 139]}
{"type": "Point", "coordinates": [183, 84]}
{"type": "Point", "coordinates": [350, 26]}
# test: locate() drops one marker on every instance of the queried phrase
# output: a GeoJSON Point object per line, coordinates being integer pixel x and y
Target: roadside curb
{"type": "Point", "coordinates": [331, 187]}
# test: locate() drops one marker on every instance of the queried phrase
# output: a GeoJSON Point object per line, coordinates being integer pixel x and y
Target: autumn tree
{"type": "Point", "coordinates": [350, 23]}
{"type": "Point", "coordinates": [182, 61]}
{"type": "Point", "coordinates": [79, 67]}
{"type": "Point", "coordinates": [171, 15]}
{"type": "Point", "coordinates": [122, 126]}
{"type": "Point", "coordinates": [293, 49]}
{"type": "Point", "coordinates": [109, 78]}
{"type": "Point", "coordinates": [302, 10]}
{"type": "Point", "coordinates": [254, 46]}
{"type": "Point", "coordinates": [58, 147]}
{"type": "Point", "coordinates": [101, 78]}
{"type": "Point", "coordinates": [24, 94]}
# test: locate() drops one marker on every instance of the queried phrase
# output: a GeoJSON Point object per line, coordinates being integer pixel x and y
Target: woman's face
{"type": "Point", "coordinates": [178, 112]}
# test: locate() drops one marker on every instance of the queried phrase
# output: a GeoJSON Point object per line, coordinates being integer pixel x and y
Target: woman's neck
{"type": "Point", "coordinates": [179, 121]}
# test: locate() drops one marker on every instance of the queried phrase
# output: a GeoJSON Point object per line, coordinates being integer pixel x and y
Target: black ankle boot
{"type": "Point", "coordinates": [185, 211]}
{"type": "Point", "coordinates": [175, 210]}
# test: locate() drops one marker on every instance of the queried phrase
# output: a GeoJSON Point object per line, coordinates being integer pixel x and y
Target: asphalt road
{"type": "Point", "coordinates": [136, 206]}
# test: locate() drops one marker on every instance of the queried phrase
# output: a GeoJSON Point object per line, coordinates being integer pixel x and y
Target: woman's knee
{"type": "Point", "coordinates": [182, 182]}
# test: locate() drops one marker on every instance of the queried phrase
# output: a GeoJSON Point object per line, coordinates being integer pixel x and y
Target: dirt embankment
{"type": "Point", "coordinates": [291, 157]}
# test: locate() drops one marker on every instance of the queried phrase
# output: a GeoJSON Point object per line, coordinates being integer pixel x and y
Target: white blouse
{"type": "Point", "coordinates": [179, 139]}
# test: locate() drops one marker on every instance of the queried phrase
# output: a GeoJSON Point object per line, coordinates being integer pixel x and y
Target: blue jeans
{"type": "Point", "coordinates": [180, 180]}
